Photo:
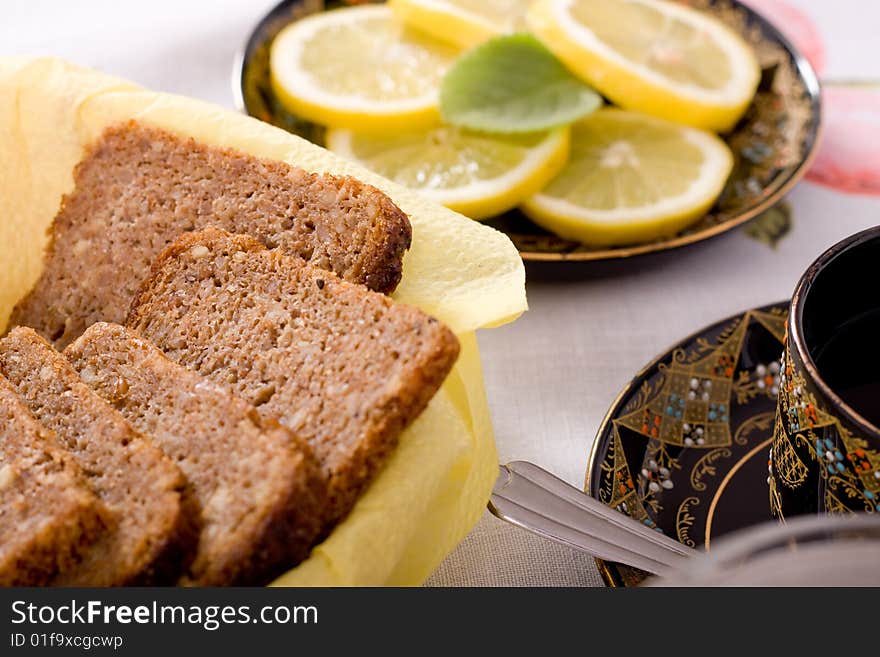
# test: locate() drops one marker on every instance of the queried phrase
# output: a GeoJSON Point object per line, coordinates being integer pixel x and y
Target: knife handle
{"type": "Point", "coordinates": [532, 498]}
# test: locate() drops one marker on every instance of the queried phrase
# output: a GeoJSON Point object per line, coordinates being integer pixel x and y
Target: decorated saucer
{"type": "Point", "coordinates": [684, 447]}
{"type": "Point", "coordinates": [773, 144]}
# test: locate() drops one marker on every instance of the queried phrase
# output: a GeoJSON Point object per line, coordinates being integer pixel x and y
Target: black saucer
{"type": "Point", "coordinates": [684, 448]}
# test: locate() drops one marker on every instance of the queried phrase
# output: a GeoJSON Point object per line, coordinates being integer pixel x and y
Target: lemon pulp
{"type": "Point", "coordinates": [359, 68]}
{"type": "Point", "coordinates": [658, 57]}
{"type": "Point", "coordinates": [631, 178]}
{"type": "Point", "coordinates": [476, 174]}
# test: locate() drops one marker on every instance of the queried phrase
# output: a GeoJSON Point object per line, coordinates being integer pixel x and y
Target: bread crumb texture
{"type": "Point", "coordinates": [48, 516]}
{"type": "Point", "coordinates": [258, 490]}
{"type": "Point", "coordinates": [139, 485]}
{"type": "Point", "coordinates": [344, 368]}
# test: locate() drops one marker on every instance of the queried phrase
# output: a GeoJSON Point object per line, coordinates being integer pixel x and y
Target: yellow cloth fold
{"type": "Point", "coordinates": [466, 274]}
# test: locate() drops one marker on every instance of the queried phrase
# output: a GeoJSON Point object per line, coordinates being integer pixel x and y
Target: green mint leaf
{"type": "Point", "coordinates": [513, 84]}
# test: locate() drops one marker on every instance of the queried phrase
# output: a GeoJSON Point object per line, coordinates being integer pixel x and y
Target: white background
{"type": "Point", "coordinates": [551, 375]}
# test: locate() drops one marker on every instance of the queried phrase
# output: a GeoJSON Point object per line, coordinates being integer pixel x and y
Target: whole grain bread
{"type": "Point", "coordinates": [260, 492]}
{"type": "Point", "coordinates": [140, 486]}
{"type": "Point", "coordinates": [345, 368]}
{"type": "Point", "coordinates": [138, 188]}
{"type": "Point", "coordinates": [48, 516]}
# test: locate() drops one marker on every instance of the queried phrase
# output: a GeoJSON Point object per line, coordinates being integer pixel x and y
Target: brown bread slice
{"type": "Point", "coordinates": [48, 516]}
{"type": "Point", "coordinates": [345, 368]}
{"type": "Point", "coordinates": [140, 486]}
{"type": "Point", "coordinates": [138, 188]}
{"type": "Point", "coordinates": [259, 492]}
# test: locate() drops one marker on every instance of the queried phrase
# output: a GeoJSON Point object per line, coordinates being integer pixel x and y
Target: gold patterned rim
{"type": "Point", "coordinates": [799, 74]}
{"type": "Point", "coordinates": [612, 579]}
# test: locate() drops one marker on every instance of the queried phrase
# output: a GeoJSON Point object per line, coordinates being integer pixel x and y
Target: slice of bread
{"type": "Point", "coordinates": [259, 492]}
{"type": "Point", "coordinates": [138, 484]}
{"type": "Point", "coordinates": [138, 188]}
{"type": "Point", "coordinates": [345, 368]}
{"type": "Point", "coordinates": [48, 516]}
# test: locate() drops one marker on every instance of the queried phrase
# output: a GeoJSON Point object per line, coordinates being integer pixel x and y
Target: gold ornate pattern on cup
{"type": "Point", "coordinates": [807, 438]}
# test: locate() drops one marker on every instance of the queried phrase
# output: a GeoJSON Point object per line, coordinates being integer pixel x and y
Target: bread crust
{"type": "Point", "coordinates": [139, 187]}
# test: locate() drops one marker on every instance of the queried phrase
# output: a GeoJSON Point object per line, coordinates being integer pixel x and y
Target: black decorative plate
{"type": "Point", "coordinates": [774, 143]}
{"type": "Point", "coordinates": [684, 448]}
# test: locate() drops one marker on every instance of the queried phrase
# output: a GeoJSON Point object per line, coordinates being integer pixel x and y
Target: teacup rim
{"type": "Point", "coordinates": [795, 330]}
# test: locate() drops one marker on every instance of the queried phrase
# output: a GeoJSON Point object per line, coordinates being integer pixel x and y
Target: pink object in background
{"type": "Point", "coordinates": [848, 159]}
{"type": "Point", "coordinates": [797, 26]}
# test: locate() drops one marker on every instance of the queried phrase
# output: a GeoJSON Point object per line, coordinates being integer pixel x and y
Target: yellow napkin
{"type": "Point", "coordinates": [436, 484]}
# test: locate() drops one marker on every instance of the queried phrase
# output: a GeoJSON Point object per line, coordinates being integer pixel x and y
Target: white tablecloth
{"type": "Point", "coordinates": [551, 375]}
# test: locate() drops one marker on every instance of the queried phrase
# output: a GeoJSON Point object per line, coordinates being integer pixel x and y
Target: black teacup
{"type": "Point", "coordinates": [826, 443]}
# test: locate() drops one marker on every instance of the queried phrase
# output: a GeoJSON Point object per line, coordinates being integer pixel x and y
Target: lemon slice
{"type": "Point", "coordinates": [359, 68]}
{"type": "Point", "coordinates": [658, 57]}
{"type": "Point", "coordinates": [631, 178]}
{"type": "Point", "coordinates": [463, 22]}
{"type": "Point", "coordinates": [476, 174]}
